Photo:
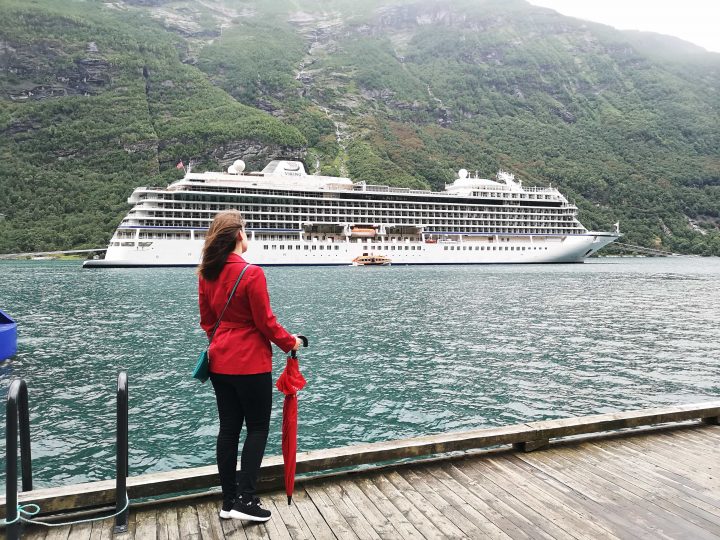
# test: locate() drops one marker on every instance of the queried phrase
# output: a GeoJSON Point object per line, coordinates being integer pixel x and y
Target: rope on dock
{"type": "Point", "coordinates": [24, 510]}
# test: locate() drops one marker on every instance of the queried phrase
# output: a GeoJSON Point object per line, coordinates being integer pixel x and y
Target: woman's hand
{"type": "Point", "coordinates": [298, 343]}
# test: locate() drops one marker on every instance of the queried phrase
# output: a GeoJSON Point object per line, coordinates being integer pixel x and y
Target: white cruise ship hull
{"type": "Point", "coordinates": [482, 250]}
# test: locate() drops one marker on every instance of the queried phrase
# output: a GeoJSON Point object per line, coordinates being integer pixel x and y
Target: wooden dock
{"type": "Point", "coordinates": [653, 482]}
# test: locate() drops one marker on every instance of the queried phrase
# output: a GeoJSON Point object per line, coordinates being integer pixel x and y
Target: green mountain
{"type": "Point", "coordinates": [97, 98]}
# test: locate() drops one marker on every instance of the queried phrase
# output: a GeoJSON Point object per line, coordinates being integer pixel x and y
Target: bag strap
{"type": "Point", "coordinates": [232, 293]}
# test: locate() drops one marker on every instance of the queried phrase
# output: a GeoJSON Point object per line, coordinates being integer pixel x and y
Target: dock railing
{"type": "Point", "coordinates": [17, 415]}
{"type": "Point", "coordinates": [523, 437]}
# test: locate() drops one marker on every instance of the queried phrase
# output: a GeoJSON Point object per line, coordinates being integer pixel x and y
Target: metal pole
{"type": "Point", "coordinates": [25, 456]}
{"type": "Point", "coordinates": [121, 520]}
{"type": "Point", "coordinates": [11, 424]}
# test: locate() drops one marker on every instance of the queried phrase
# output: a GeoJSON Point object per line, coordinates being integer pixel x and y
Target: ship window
{"type": "Point", "coordinates": [282, 246]}
{"type": "Point", "coordinates": [314, 247]}
{"type": "Point", "coordinates": [305, 247]}
{"type": "Point", "coordinates": [265, 246]}
{"type": "Point", "coordinates": [297, 246]}
{"type": "Point", "coordinates": [337, 247]}
{"type": "Point", "coordinates": [446, 248]}
{"type": "Point", "coordinates": [274, 246]}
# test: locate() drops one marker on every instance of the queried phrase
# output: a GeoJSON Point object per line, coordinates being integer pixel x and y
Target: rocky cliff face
{"type": "Point", "coordinates": [44, 69]}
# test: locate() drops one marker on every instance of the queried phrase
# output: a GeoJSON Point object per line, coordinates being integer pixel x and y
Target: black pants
{"type": "Point", "coordinates": [241, 398]}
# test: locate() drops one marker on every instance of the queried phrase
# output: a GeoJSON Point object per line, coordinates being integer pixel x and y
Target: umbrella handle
{"type": "Point", "coordinates": [305, 344]}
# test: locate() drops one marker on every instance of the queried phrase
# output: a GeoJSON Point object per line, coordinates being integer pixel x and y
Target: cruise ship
{"type": "Point", "coordinates": [293, 218]}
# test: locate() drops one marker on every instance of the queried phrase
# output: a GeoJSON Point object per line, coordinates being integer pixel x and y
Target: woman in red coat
{"type": "Point", "coordinates": [240, 359]}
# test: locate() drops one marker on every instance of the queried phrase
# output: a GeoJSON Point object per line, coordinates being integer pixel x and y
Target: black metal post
{"type": "Point", "coordinates": [25, 456]}
{"type": "Point", "coordinates": [16, 412]}
{"type": "Point", "coordinates": [121, 520]}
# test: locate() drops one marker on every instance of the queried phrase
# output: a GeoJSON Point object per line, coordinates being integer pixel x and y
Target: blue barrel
{"type": "Point", "coordinates": [8, 336]}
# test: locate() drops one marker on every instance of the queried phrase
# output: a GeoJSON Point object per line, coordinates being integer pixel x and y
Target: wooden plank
{"type": "Point", "coordinates": [33, 532]}
{"type": "Point", "coordinates": [359, 523]}
{"type": "Point", "coordinates": [209, 521]}
{"type": "Point", "coordinates": [58, 533]}
{"type": "Point", "coordinates": [167, 524]}
{"type": "Point", "coordinates": [233, 529]}
{"type": "Point", "coordinates": [641, 509]}
{"type": "Point", "coordinates": [702, 436]}
{"type": "Point", "coordinates": [699, 453]}
{"type": "Point", "coordinates": [562, 511]}
{"type": "Point", "coordinates": [295, 525]}
{"type": "Point", "coordinates": [578, 501]}
{"type": "Point", "coordinates": [662, 479]}
{"type": "Point", "coordinates": [188, 522]}
{"type": "Point", "coordinates": [81, 531]}
{"type": "Point", "coordinates": [670, 440]}
{"type": "Point", "coordinates": [447, 519]}
{"type": "Point", "coordinates": [276, 528]}
{"type": "Point", "coordinates": [450, 505]}
{"type": "Point", "coordinates": [315, 521]}
{"type": "Point", "coordinates": [349, 492]}
{"type": "Point", "coordinates": [647, 494]}
{"type": "Point", "coordinates": [472, 506]}
{"type": "Point", "coordinates": [671, 462]}
{"type": "Point", "coordinates": [388, 509]}
{"type": "Point", "coordinates": [504, 490]}
{"type": "Point", "coordinates": [332, 516]}
{"type": "Point", "coordinates": [517, 519]}
{"type": "Point", "coordinates": [102, 493]}
{"type": "Point", "coordinates": [146, 525]}
{"type": "Point", "coordinates": [255, 530]}
{"type": "Point", "coordinates": [435, 516]}
{"type": "Point", "coordinates": [666, 497]}
{"type": "Point", "coordinates": [605, 506]}
{"type": "Point", "coordinates": [102, 530]}
{"type": "Point", "coordinates": [400, 501]}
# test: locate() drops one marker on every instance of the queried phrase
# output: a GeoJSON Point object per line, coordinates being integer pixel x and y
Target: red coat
{"type": "Point", "coordinates": [241, 345]}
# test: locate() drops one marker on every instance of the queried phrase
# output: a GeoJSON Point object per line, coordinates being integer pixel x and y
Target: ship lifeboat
{"type": "Point", "coordinates": [8, 336]}
{"type": "Point", "coordinates": [363, 232]}
{"type": "Point", "coordinates": [430, 241]}
{"type": "Point", "coordinates": [371, 260]}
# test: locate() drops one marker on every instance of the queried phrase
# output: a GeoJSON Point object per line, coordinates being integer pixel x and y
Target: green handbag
{"type": "Point", "coordinates": [202, 366]}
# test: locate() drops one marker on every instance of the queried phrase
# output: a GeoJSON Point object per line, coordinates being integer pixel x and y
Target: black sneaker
{"type": "Point", "coordinates": [249, 510]}
{"type": "Point", "coordinates": [226, 508]}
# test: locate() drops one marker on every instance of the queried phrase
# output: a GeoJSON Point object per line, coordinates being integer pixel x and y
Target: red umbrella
{"type": "Point", "coordinates": [290, 381]}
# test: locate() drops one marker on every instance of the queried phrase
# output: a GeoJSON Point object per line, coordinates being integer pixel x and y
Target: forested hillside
{"type": "Point", "coordinates": [97, 98]}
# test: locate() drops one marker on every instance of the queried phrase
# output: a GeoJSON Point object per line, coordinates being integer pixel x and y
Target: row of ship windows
{"type": "Point", "coordinates": [259, 214]}
{"type": "Point", "coordinates": [267, 206]}
{"type": "Point", "coordinates": [428, 230]}
{"type": "Point", "coordinates": [391, 221]}
{"type": "Point", "coordinates": [493, 248]}
{"type": "Point", "coordinates": [264, 192]}
{"type": "Point", "coordinates": [381, 247]}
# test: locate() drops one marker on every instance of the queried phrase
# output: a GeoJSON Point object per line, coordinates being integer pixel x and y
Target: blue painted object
{"type": "Point", "coordinates": [8, 336]}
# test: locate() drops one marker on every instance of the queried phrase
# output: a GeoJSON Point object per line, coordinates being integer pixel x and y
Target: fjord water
{"type": "Point", "coordinates": [395, 352]}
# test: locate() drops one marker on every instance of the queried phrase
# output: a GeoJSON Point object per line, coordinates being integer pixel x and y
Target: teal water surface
{"type": "Point", "coordinates": [395, 352]}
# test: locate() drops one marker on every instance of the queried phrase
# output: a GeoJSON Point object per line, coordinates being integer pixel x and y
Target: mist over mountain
{"type": "Point", "coordinates": [97, 98]}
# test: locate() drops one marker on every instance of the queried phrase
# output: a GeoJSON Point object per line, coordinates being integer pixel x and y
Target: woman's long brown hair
{"type": "Point", "coordinates": [220, 242]}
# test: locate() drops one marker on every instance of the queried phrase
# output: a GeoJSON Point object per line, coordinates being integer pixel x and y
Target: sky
{"type": "Point", "coordinates": [696, 21]}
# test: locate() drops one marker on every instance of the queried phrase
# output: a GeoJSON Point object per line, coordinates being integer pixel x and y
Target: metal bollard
{"type": "Point", "coordinates": [121, 468]}
{"type": "Point", "coordinates": [16, 412]}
